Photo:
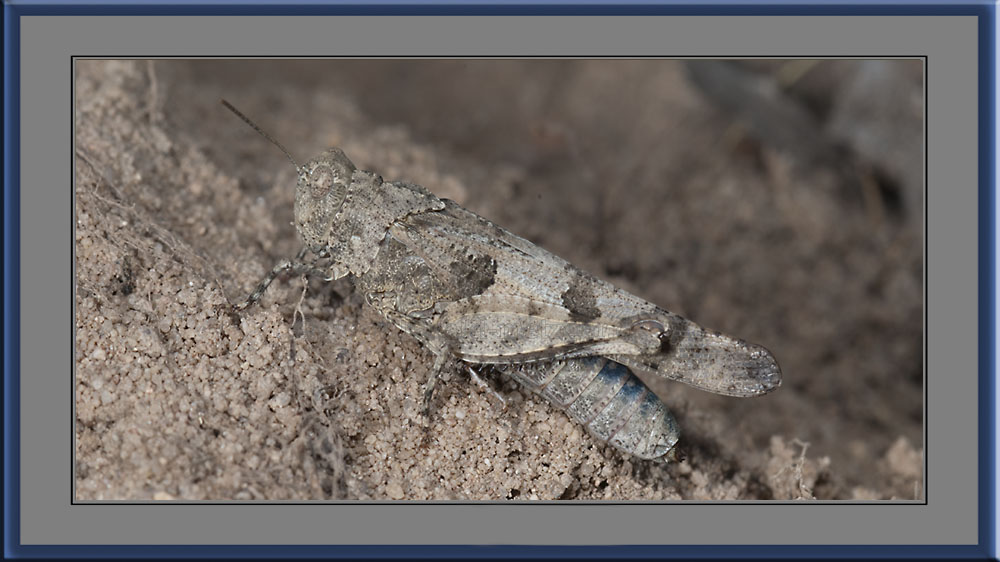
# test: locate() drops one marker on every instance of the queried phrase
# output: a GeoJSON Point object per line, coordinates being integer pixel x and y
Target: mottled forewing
{"type": "Point", "coordinates": [533, 305]}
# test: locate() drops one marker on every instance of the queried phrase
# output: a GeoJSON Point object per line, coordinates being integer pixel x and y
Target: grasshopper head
{"type": "Point", "coordinates": [319, 195]}
{"type": "Point", "coordinates": [321, 190]}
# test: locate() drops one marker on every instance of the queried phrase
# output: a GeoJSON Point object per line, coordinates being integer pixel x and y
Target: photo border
{"type": "Point", "coordinates": [986, 254]}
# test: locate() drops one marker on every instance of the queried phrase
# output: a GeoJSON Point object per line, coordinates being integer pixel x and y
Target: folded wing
{"type": "Point", "coordinates": [536, 306]}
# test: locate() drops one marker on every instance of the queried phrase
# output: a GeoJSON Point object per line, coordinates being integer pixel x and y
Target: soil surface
{"type": "Point", "coordinates": [777, 201]}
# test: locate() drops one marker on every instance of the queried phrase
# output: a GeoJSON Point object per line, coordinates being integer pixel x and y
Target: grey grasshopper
{"type": "Point", "coordinates": [471, 291]}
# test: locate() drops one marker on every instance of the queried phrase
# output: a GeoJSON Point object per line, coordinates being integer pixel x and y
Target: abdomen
{"type": "Point", "coordinates": [607, 398]}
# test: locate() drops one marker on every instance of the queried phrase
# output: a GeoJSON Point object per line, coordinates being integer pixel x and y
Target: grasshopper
{"type": "Point", "coordinates": [473, 292]}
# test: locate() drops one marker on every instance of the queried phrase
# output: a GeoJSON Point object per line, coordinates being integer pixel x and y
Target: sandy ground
{"type": "Point", "coordinates": [777, 201]}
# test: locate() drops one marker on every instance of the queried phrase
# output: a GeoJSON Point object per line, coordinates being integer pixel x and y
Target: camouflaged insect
{"type": "Point", "coordinates": [472, 291]}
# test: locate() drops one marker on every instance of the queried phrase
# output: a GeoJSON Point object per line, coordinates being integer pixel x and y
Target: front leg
{"type": "Point", "coordinates": [440, 360]}
{"type": "Point", "coordinates": [296, 267]}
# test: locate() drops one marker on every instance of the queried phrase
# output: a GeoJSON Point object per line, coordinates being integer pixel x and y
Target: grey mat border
{"type": "Point", "coordinates": [949, 517]}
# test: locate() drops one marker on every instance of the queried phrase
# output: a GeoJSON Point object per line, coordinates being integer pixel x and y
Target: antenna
{"type": "Point", "coordinates": [230, 107]}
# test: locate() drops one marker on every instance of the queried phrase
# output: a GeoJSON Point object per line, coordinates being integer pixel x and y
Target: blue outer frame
{"type": "Point", "coordinates": [986, 547]}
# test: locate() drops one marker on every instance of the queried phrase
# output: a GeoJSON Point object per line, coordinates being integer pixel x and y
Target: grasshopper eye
{"type": "Point", "coordinates": [328, 176]}
{"type": "Point", "coordinates": [323, 180]}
